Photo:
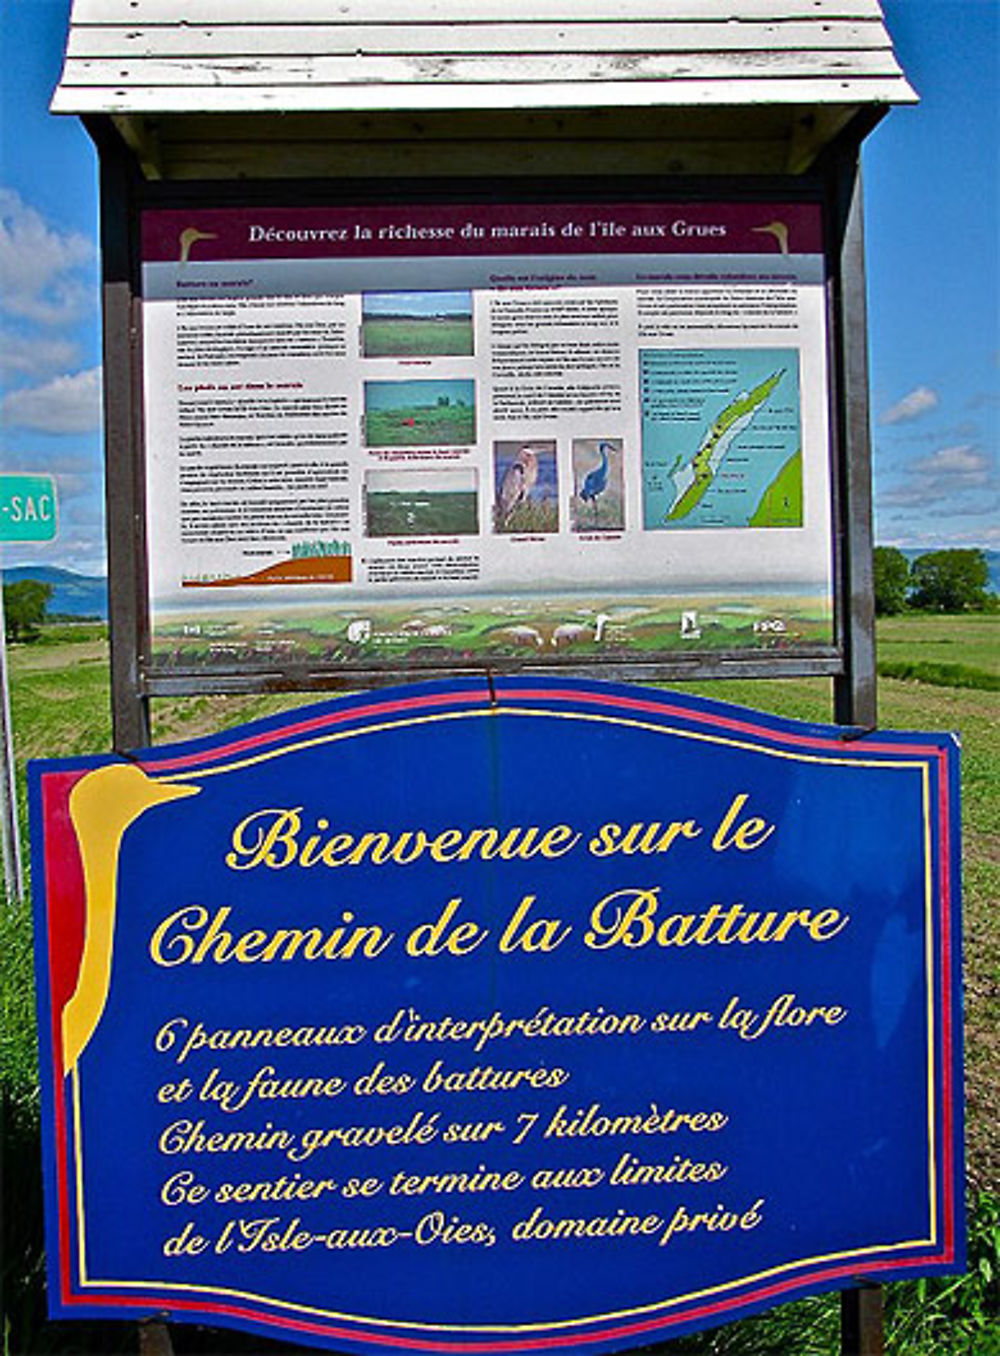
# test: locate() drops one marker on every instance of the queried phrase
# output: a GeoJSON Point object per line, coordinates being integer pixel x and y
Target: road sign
{"type": "Point", "coordinates": [27, 508]}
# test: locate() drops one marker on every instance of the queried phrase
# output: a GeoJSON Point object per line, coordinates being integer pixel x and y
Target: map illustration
{"type": "Point", "coordinates": [721, 442]}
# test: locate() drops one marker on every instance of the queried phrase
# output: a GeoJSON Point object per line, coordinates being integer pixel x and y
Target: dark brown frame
{"type": "Point", "coordinates": [136, 679]}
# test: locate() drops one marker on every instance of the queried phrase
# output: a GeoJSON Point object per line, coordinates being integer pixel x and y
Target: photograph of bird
{"type": "Point", "coordinates": [516, 486]}
{"type": "Point", "coordinates": [596, 481]}
{"type": "Point", "coordinates": [598, 504]}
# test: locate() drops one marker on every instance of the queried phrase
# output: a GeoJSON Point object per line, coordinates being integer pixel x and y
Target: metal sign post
{"type": "Point", "coordinates": [28, 513]}
{"type": "Point", "coordinates": [12, 870]}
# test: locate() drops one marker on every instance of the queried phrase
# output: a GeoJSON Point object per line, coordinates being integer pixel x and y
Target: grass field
{"type": "Point", "coordinates": [417, 336]}
{"type": "Point", "coordinates": [421, 425]}
{"type": "Point", "coordinates": [533, 515]}
{"type": "Point", "coordinates": [60, 707]}
{"type": "Point", "coordinates": [395, 513]}
{"type": "Point", "coordinates": [929, 650]}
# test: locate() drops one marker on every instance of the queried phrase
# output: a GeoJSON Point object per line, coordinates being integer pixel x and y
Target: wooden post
{"type": "Point", "coordinates": [854, 690]}
{"type": "Point", "coordinates": [855, 703]}
{"type": "Point", "coordinates": [861, 1329]}
{"type": "Point", "coordinates": [154, 1338]}
{"type": "Point", "coordinates": [127, 599]}
{"type": "Point", "coordinates": [124, 488]}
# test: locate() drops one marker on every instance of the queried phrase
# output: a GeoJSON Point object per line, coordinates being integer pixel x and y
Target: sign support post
{"type": "Point", "coordinates": [861, 1327]}
{"type": "Point", "coordinates": [854, 690]}
{"type": "Point", "coordinates": [12, 869]}
{"type": "Point", "coordinates": [861, 1307]}
{"type": "Point", "coordinates": [127, 605]}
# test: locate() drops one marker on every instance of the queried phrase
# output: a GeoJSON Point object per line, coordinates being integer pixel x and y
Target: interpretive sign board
{"type": "Point", "coordinates": [645, 1017]}
{"type": "Point", "coordinates": [453, 434]}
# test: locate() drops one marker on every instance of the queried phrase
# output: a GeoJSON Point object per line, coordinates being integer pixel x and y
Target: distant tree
{"type": "Point", "coordinates": [24, 605]}
{"type": "Point", "coordinates": [950, 581]}
{"type": "Point", "coordinates": [892, 577]}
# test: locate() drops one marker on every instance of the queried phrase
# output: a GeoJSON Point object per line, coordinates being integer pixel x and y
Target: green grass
{"type": "Point", "coordinates": [406, 337]}
{"type": "Point", "coordinates": [60, 707]}
{"type": "Point", "coordinates": [940, 675]}
{"type": "Point", "coordinates": [606, 513]}
{"type": "Point", "coordinates": [533, 515]}
{"type": "Point", "coordinates": [417, 513]}
{"type": "Point", "coordinates": [972, 640]}
{"type": "Point", "coordinates": [421, 426]}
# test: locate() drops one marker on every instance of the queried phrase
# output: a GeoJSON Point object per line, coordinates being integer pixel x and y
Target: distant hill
{"type": "Point", "coordinates": [75, 595]}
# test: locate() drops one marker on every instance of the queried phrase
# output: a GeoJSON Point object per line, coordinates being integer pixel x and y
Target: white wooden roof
{"type": "Point", "coordinates": [137, 57]}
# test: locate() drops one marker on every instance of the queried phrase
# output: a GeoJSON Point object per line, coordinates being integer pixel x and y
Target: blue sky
{"type": "Point", "coordinates": [933, 230]}
{"type": "Point", "coordinates": [417, 303]}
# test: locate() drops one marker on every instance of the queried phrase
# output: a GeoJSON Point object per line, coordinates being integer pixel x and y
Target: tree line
{"type": "Point", "coordinates": [939, 581]}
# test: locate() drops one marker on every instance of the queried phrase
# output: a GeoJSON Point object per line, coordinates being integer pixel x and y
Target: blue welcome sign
{"type": "Point", "coordinates": [498, 1018]}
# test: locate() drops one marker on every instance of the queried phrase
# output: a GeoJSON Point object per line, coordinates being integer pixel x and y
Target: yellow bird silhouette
{"type": "Point", "coordinates": [780, 232]}
{"type": "Point", "coordinates": [102, 805]}
{"type": "Point", "coordinates": [189, 236]}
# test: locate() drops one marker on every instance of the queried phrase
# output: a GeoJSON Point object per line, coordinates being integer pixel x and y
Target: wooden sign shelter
{"type": "Point", "coordinates": [300, 106]}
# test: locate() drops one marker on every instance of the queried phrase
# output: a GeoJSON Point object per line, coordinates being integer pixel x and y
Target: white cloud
{"type": "Point", "coordinates": [977, 507]}
{"type": "Point", "coordinates": [81, 551]}
{"type": "Point", "coordinates": [912, 495]}
{"type": "Point", "coordinates": [919, 401]}
{"type": "Point", "coordinates": [967, 430]}
{"type": "Point", "coordinates": [964, 463]}
{"type": "Point", "coordinates": [986, 536]}
{"type": "Point", "coordinates": [943, 481]}
{"type": "Point", "coordinates": [67, 404]}
{"type": "Point", "coordinates": [28, 356]}
{"type": "Point", "coordinates": [83, 463]}
{"type": "Point", "coordinates": [46, 275]}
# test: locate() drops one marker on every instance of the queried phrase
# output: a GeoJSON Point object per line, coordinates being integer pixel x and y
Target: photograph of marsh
{"type": "Point", "coordinates": [416, 324]}
{"type": "Point", "coordinates": [421, 503]}
{"type": "Point", "coordinates": [420, 413]}
{"type": "Point", "coordinates": [526, 486]}
{"type": "Point", "coordinates": [598, 500]}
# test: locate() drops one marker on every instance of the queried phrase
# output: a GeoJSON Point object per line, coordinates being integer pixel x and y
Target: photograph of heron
{"type": "Point", "coordinates": [416, 324]}
{"type": "Point", "coordinates": [420, 413]}
{"type": "Point", "coordinates": [598, 501]}
{"type": "Point", "coordinates": [421, 503]}
{"type": "Point", "coordinates": [526, 485]}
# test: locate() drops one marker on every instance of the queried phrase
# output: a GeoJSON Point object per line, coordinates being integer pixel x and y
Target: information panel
{"type": "Point", "coordinates": [445, 434]}
{"type": "Point", "coordinates": [646, 1016]}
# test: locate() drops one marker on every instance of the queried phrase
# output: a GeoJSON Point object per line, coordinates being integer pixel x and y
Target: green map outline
{"type": "Point", "coordinates": [704, 475]}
